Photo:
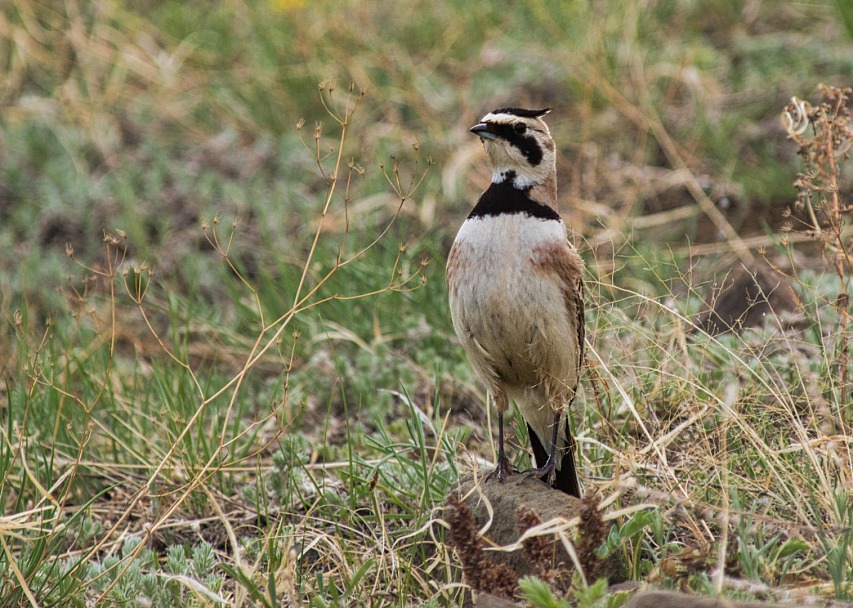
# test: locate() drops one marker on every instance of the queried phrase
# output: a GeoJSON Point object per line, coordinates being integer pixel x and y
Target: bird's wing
{"type": "Point", "coordinates": [562, 261]}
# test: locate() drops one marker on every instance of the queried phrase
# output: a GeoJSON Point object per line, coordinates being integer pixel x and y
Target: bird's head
{"type": "Point", "coordinates": [519, 146]}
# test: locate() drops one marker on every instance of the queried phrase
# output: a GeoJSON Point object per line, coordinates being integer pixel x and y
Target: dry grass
{"type": "Point", "coordinates": [238, 396]}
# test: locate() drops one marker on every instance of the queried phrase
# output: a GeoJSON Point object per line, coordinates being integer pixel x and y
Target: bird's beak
{"type": "Point", "coordinates": [484, 130]}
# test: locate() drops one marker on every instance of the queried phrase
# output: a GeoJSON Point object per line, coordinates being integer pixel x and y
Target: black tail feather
{"type": "Point", "coordinates": [567, 480]}
{"type": "Point", "coordinates": [567, 475]}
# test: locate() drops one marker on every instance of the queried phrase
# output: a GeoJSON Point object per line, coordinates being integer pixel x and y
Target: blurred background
{"type": "Point", "coordinates": [153, 116]}
{"type": "Point", "coordinates": [228, 156]}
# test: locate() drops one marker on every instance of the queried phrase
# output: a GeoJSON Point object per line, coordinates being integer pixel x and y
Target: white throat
{"type": "Point", "coordinates": [521, 181]}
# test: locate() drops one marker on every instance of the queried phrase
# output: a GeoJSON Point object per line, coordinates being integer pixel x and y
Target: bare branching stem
{"type": "Point", "coordinates": [307, 294]}
{"type": "Point", "coordinates": [824, 137]}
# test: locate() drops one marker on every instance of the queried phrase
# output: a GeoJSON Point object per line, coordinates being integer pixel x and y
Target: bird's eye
{"type": "Point", "coordinates": [520, 128]}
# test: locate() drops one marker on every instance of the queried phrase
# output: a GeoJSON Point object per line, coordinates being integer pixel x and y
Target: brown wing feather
{"type": "Point", "coordinates": [581, 325]}
{"type": "Point", "coordinates": [564, 261]}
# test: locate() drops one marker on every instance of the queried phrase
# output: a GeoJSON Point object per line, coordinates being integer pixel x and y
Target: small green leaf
{"type": "Point", "coordinates": [246, 582]}
{"type": "Point", "coordinates": [358, 575]}
{"type": "Point", "coordinates": [639, 522]}
{"type": "Point", "coordinates": [539, 593]}
{"type": "Point", "coordinates": [271, 587]}
{"type": "Point", "coordinates": [792, 547]}
{"type": "Point", "coordinates": [589, 596]}
{"type": "Point", "coordinates": [616, 600]}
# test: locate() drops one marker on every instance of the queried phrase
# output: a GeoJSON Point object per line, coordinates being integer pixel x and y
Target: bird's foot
{"type": "Point", "coordinates": [546, 473]}
{"type": "Point", "coordinates": [503, 469]}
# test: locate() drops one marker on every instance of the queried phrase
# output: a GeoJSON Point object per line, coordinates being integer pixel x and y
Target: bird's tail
{"type": "Point", "coordinates": [567, 474]}
{"type": "Point", "coordinates": [566, 479]}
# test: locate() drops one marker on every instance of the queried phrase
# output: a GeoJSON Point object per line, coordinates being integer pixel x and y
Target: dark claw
{"type": "Point", "coordinates": [548, 472]}
{"type": "Point", "coordinates": [503, 469]}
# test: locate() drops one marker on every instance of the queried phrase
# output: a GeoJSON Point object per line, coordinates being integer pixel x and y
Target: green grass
{"type": "Point", "coordinates": [242, 387]}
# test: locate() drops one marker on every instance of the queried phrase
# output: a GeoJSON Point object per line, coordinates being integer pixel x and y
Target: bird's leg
{"type": "Point", "coordinates": [503, 467]}
{"type": "Point", "coordinates": [548, 471]}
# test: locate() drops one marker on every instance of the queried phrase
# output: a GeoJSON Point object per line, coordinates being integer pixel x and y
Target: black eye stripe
{"type": "Point", "coordinates": [525, 142]}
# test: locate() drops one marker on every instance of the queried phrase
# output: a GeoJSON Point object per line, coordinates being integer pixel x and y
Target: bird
{"type": "Point", "coordinates": [515, 288]}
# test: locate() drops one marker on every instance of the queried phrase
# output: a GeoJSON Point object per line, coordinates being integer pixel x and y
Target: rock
{"type": "Point", "coordinates": [505, 498]}
{"type": "Point", "coordinates": [668, 599]}
{"type": "Point", "coordinates": [487, 600]}
{"type": "Point", "coordinates": [546, 503]}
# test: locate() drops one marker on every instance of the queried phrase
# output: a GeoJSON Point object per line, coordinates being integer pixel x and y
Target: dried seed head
{"type": "Point", "coordinates": [538, 549]}
{"type": "Point", "coordinates": [592, 532]}
{"type": "Point", "coordinates": [795, 117]}
{"type": "Point", "coordinates": [480, 573]}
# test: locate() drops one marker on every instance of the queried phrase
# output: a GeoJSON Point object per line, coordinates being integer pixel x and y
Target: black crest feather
{"type": "Point", "coordinates": [522, 112]}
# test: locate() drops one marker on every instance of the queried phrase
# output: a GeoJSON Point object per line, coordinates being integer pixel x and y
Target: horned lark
{"type": "Point", "coordinates": [516, 293]}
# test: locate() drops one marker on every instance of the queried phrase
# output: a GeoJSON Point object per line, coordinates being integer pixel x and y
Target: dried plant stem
{"type": "Point", "coordinates": [823, 135]}
{"type": "Point", "coordinates": [841, 256]}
